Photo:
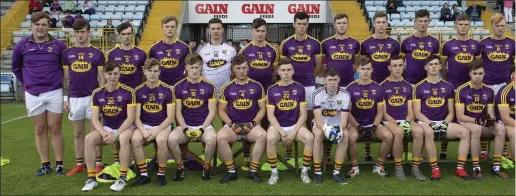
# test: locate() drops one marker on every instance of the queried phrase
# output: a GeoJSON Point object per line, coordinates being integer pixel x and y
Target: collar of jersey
{"type": "Point", "coordinates": [252, 43]}
{"type": "Point", "coordinates": [291, 82]}
{"type": "Point", "coordinates": [431, 82]}
{"type": "Point", "coordinates": [306, 37]}
{"type": "Point", "coordinates": [461, 40]}
{"type": "Point", "coordinates": [246, 82]}
{"type": "Point", "coordinates": [374, 37]}
{"type": "Point", "coordinates": [188, 79]}
{"type": "Point", "coordinates": [370, 81]}
{"type": "Point", "coordinates": [470, 86]}
{"type": "Point", "coordinates": [389, 79]}
{"type": "Point", "coordinates": [175, 40]}
{"type": "Point", "coordinates": [491, 36]}
{"type": "Point", "coordinates": [51, 39]}
{"type": "Point", "coordinates": [335, 37]}
{"type": "Point", "coordinates": [117, 87]}
{"type": "Point", "coordinates": [147, 84]}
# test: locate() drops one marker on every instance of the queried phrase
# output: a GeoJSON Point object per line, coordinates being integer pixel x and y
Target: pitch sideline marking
{"type": "Point", "coordinates": [14, 119]}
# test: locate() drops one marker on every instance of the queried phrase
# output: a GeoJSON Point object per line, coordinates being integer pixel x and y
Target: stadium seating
{"type": "Point", "coordinates": [117, 11]}
{"type": "Point", "coordinates": [4, 7]}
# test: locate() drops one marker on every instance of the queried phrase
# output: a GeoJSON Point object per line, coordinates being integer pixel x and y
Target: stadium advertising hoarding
{"type": "Point", "coordinates": [246, 11]}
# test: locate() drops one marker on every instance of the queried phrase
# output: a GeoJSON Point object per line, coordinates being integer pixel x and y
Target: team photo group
{"type": "Point", "coordinates": [420, 90]}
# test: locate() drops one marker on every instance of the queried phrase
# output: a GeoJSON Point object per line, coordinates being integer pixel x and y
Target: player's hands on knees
{"type": "Point", "coordinates": [110, 138]}
{"type": "Point", "coordinates": [290, 138]}
{"type": "Point", "coordinates": [66, 106]}
{"type": "Point", "coordinates": [235, 128]}
{"type": "Point", "coordinates": [249, 126]}
{"type": "Point", "coordinates": [153, 133]}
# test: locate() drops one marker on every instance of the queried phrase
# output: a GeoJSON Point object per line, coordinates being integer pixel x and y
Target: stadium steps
{"type": "Point", "coordinates": [359, 29]}
{"type": "Point", "coordinates": [152, 31]}
{"type": "Point", "coordinates": [486, 17]}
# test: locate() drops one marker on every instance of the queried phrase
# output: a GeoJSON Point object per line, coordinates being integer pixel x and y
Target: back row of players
{"type": "Point", "coordinates": [37, 64]}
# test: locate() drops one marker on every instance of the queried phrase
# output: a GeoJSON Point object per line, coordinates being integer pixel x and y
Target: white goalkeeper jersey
{"type": "Point", "coordinates": [217, 63]}
{"type": "Point", "coordinates": [332, 106]}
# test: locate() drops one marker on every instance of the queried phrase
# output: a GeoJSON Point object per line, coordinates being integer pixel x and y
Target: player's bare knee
{"type": "Point", "coordinates": [161, 142]}
{"type": "Point", "coordinates": [464, 134]}
{"type": "Point", "coordinates": [318, 135]}
{"type": "Point", "coordinates": [398, 133]}
{"type": "Point", "coordinates": [500, 130]}
{"type": "Point", "coordinates": [54, 128]}
{"type": "Point", "coordinates": [309, 139]}
{"type": "Point", "coordinates": [137, 140]}
{"type": "Point", "coordinates": [90, 139]}
{"type": "Point", "coordinates": [387, 137]}
{"type": "Point", "coordinates": [78, 134]}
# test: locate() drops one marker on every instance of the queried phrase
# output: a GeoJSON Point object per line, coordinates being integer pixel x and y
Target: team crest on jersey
{"type": "Point", "coordinates": [224, 51]}
{"type": "Point", "coordinates": [201, 91]}
{"type": "Point", "coordinates": [443, 90]}
{"type": "Point", "coordinates": [160, 95]}
{"type": "Point", "coordinates": [429, 44]}
{"type": "Point", "coordinates": [350, 46]}
{"type": "Point", "coordinates": [50, 49]}
{"type": "Point", "coordinates": [152, 107]}
{"type": "Point", "coordinates": [373, 92]}
{"type": "Point", "coordinates": [242, 104]}
{"type": "Point", "coordinates": [404, 89]}
{"type": "Point", "coordinates": [294, 92]}
{"type": "Point", "coordinates": [287, 104]}
{"type": "Point", "coordinates": [434, 102]}
{"type": "Point", "coordinates": [90, 55]}
{"type": "Point", "coordinates": [472, 46]}
{"type": "Point", "coordinates": [269, 54]}
{"type": "Point", "coordinates": [434, 91]}
{"type": "Point", "coordinates": [300, 50]}
{"type": "Point", "coordinates": [308, 47]}
{"type": "Point", "coordinates": [119, 98]}
{"type": "Point", "coordinates": [365, 103]}
{"type": "Point", "coordinates": [484, 96]}
{"type": "Point", "coordinates": [178, 51]}
{"type": "Point", "coordinates": [251, 91]}
{"type": "Point", "coordinates": [506, 46]}
{"type": "Point", "coordinates": [136, 57]}
{"type": "Point", "coordinates": [389, 46]}
{"type": "Point", "coordinates": [339, 102]}
{"type": "Point", "coordinates": [421, 46]}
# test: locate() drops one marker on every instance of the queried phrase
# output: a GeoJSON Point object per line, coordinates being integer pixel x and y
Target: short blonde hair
{"type": "Point", "coordinates": [496, 18]}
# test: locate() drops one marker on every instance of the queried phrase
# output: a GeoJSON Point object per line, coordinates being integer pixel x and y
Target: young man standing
{"type": "Point", "coordinates": [116, 103]}
{"type": "Point", "coordinates": [170, 52]}
{"type": "Point", "coordinates": [195, 109]}
{"type": "Point", "coordinates": [399, 118]}
{"type": "Point", "coordinates": [474, 103]}
{"type": "Point", "coordinates": [305, 54]}
{"type": "Point", "coordinates": [130, 57]}
{"type": "Point", "coordinates": [37, 64]}
{"type": "Point", "coordinates": [286, 111]}
{"type": "Point", "coordinates": [505, 100]}
{"type": "Point", "coordinates": [241, 108]}
{"type": "Point", "coordinates": [331, 108]}
{"type": "Point", "coordinates": [367, 99]}
{"type": "Point", "coordinates": [83, 73]}
{"type": "Point", "coordinates": [155, 116]}
{"type": "Point", "coordinates": [434, 109]}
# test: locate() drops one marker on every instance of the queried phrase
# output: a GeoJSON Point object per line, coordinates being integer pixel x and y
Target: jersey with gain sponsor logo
{"type": "Point", "coordinates": [460, 54]}
{"type": "Point", "coordinates": [380, 52]}
{"type": "Point", "coordinates": [171, 58]}
{"type": "Point", "coordinates": [497, 57]}
{"type": "Point", "coordinates": [417, 50]}
{"type": "Point", "coordinates": [286, 101]}
{"type": "Point", "coordinates": [242, 100]}
{"type": "Point", "coordinates": [261, 61]}
{"type": "Point", "coordinates": [340, 54]}
{"type": "Point", "coordinates": [434, 98]}
{"type": "Point", "coordinates": [216, 66]}
{"type": "Point", "coordinates": [364, 100]}
{"type": "Point", "coordinates": [398, 94]}
{"type": "Point", "coordinates": [84, 64]}
{"type": "Point", "coordinates": [131, 64]}
{"type": "Point", "coordinates": [302, 54]}
{"type": "Point", "coordinates": [474, 100]}
{"type": "Point", "coordinates": [505, 98]}
{"type": "Point", "coordinates": [154, 102]}
{"type": "Point", "coordinates": [194, 98]}
{"type": "Point", "coordinates": [332, 106]}
{"type": "Point", "coordinates": [113, 105]}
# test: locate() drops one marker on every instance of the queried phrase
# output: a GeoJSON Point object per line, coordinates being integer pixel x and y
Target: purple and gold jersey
{"type": "Point", "coordinates": [131, 64]}
{"type": "Point", "coordinates": [434, 98]}
{"type": "Point", "coordinates": [286, 101]}
{"type": "Point", "coordinates": [340, 54]}
{"type": "Point", "coordinates": [416, 50]}
{"type": "Point", "coordinates": [398, 94]}
{"type": "Point", "coordinates": [154, 102]}
{"type": "Point", "coordinates": [261, 61]}
{"type": "Point", "coordinates": [474, 100]}
{"type": "Point", "coordinates": [460, 54]}
{"type": "Point", "coordinates": [38, 66]}
{"type": "Point", "coordinates": [364, 100]}
{"type": "Point", "coordinates": [380, 52]}
{"type": "Point", "coordinates": [113, 105]}
{"type": "Point", "coordinates": [84, 64]}
{"type": "Point", "coordinates": [242, 100]}
{"type": "Point", "coordinates": [497, 57]}
{"type": "Point", "coordinates": [302, 54]}
{"type": "Point", "coordinates": [505, 98]}
{"type": "Point", "coordinates": [171, 58]}
{"type": "Point", "coordinates": [194, 99]}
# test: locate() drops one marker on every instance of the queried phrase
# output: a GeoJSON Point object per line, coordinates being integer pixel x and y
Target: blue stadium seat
{"type": "Point", "coordinates": [425, 3]}
{"type": "Point", "coordinates": [395, 17]}
{"type": "Point", "coordinates": [138, 16]}
{"type": "Point", "coordinates": [102, 3]}
{"type": "Point", "coordinates": [120, 9]}
{"type": "Point", "coordinates": [129, 3]}
{"type": "Point", "coordinates": [407, 3]}
{"type": "Point", "coordinates": [6, 84]}
{"type": "Point", "coordinates": [116, 17]}
{"type": "Point", "coordinates": [449, 23]}
{"type": "Point", "coordinates": [411, 9]}
{"type": "Point", "coordinates": [405, 16]}
{"type": "Point", "coordinates": [95, 17]}
{"type": "Point", "coordinates": [381, 9]}
{"type": "Point", "coordinates": [139, 8]}
{"type": "Point", "coordinates": [379, 3]}
{"type": "Point", "coordinates": [369, 3]}
{"type": "Point", "coordinates": [434, 3]}
{"type": "Point", "coordinates": [435, 16]}
{"type": "Point", "coordinates": [109, 10]}
{"type": "Point", "coordinates": [407, 23]}
{"type": "Point", "coordinates": [478, 23]}
{"type": "Point", "coordinates": [100, 9]}
{"type": "Point", "coordinates": [439, 24]}
{"type": "Point", "coordinates": [402, 9]}
{"type": "Point", "coordinates": [129, 9]}
{"type": "Point", "coordinates": [25, 25]}
{"type": "Point", "coordinates": [416, 3]}
{"type": "Point", "coordinates": [144, 3]}
{"type": "Point", "coordinates": [371, 9]}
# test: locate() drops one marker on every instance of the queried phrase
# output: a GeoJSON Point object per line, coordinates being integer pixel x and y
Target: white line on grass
{"type": "Point", "coordinates": [14, 119]}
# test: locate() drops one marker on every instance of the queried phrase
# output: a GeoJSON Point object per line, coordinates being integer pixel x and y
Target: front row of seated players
{"type": "Point", "coordinates": [242, 106]}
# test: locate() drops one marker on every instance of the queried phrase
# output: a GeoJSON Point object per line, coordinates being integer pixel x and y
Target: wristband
{"type": "Point", "coordinates": [65, 98]}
